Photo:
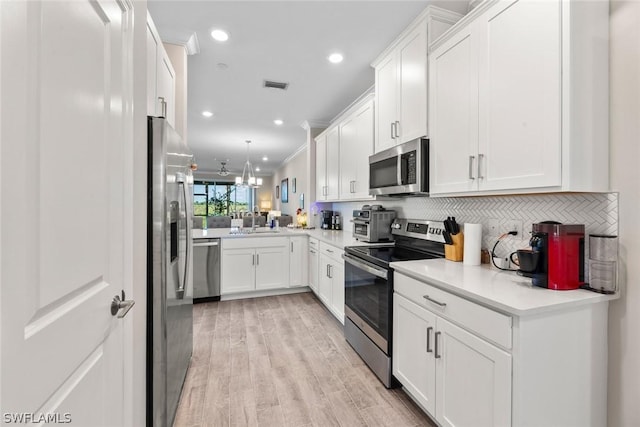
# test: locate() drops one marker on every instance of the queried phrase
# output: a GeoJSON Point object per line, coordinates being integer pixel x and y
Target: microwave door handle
{"type": "Point", "coordinates": [399, 170]}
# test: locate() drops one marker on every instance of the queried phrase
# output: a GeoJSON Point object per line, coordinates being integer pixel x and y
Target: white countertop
{"type": "Point", "coordinates": [335, 238]}
{"type": "Point", "coordinates": [502, 290]}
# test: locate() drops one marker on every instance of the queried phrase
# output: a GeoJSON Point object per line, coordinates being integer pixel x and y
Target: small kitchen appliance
{"type": "Point", "coordinates": [326, 219]}
{"type": "Point", "coordinates": [368, 283]}
{"type": "Point", "coordinates": [603, 263]}
{"type": "Point", "coordinates": [560, 264]}
{"type": "Point", "coordinates": [372, 224]}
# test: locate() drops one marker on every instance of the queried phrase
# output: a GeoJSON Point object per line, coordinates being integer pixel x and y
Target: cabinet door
{"type": "Point", "coordinates": [412, 102]}
{"type": "Point", "coordinates": [321, 168]}
{"type": "Point", "coordinates": [521, 95]}
{"type": "Point", "coordinates": [413, 358]}
{"type": "Point", "coordinates": [336, 273]}
{"type": "Point", "coordinates": [349, 154]}
{"type": "Point", "coordinates": [238, 271]}
{"type": "Point", "coordinates": [386, 102]}
{"type": "Point", "coordinates": [313, 269]}
{"type": "Point", "coordinates": [333, 163]}
{"type": "Point", "coordinates": [152, 75]}
{"type": "Point", "coordinates": [473, 380]}
{"type": "Point", "coordinates": [166, 86]}
{"type": "Point", "coordinates": [360, 159]}
{"type": "Point", "coordinates": [325, 286]}
{"type": "Point", "coordinates": [298, 261]}
{"type": "Point", "coordinates": [453, 107]}
{"type": "Point", "coordinates": [272, 267]}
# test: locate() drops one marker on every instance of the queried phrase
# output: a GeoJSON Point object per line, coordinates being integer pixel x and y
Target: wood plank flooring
{"type": "Point", "coordinates": [282, 361]}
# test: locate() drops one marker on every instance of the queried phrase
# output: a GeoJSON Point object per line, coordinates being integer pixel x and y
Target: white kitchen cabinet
{"type": "Point", "coordinates": [467, 364]}
{"type": "Point", "coordinates": [254, 264]}
{"type": "Point", "coordinates": [314, 263]}
{"type": "Point", "coordinates": [298, 261]}
{"type": "Point", "coordinates": [401, 80]}
{"type": "Point", "coordinates": [328, 164]}
{"type": "Point", "coordinates": [331, 280]}
{"type": "Point", "coordinates": [161, 89]}
{"type": "Point", "coordinates": [509, 100]}
{"type": "Point", "coordinates": [356, 145]}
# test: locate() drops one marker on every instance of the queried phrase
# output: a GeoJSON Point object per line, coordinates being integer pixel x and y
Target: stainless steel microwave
{"type": "Point", "coordinates": [400, 170]}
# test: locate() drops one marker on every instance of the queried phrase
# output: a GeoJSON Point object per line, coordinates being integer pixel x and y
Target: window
{"type": "Point", "coordinates": [221, 198]}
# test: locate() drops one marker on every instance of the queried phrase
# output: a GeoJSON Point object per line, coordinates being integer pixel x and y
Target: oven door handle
{"type": "Point", "coordinates": [369, 268]}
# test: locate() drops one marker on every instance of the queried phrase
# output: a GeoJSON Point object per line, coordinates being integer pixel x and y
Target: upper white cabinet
{"type": "Point", "coordinates": [328, 164]}
{"type": "Point", "coordinates": [519, 101]}
{"type": "Point", "coordinates": [161, 86]}
{"type": "Point", "coordinates": [342, 154]}
{"type": "Point", "coordinates": [356, 145]}
{"type": "Point", "coordinates": [401, 80]}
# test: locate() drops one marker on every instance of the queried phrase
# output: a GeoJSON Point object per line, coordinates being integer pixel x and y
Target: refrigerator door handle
{"type": "Point", "coordinates": [181, 181]}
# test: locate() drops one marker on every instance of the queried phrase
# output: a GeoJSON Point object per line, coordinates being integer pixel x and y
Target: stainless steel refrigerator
{"type": "Point", "coordinates": [169, 281]}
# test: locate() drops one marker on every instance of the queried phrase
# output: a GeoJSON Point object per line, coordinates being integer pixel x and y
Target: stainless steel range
{"type": "Point", "coordinates": [369, 288]}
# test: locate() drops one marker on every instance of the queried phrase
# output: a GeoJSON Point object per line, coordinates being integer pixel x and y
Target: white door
{"type": "Point", "coordinates": [152, 72]}
{"type": "Point", "coordinates": [313, 269]}
{"type": "Point", "coordinates": [324, 281]}
{"type": "Point", "coordinates": [453, 119]}
{"type": "Point", "coordinates": [298, 261]}
{"type": "Point", "coordinates": [333, 164]}
{"type": "Point", "coordinates": [386, 102]}
{"type": "Point", "coordinates": [321, 168]}
{"type": "Point", "coordinates": [364, 150]}
{"type": "Point", "coordinates": [412, 59]}
{"type": "Point", "coordinates": [336, 275]}
{"type": "Point", "coordinates": [413, 344]}
{"type": "Point", "coordinates": [473, 380]}
{"type": "Point", "coordinates": [348, 155]}
{"type": "Point", "coordinates": [520, 96]}
{"type": "Point", "coordinates": [166, 86]}
{"type": "Point", "coordinates": [65, 122]}
{"type": "Point", "coordinates": [272, 267]}
{"type": "Point", "coordinates": [238, 271]}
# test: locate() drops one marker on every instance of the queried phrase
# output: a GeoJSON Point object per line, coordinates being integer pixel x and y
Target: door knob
{"type": "Point", "coordinates": [118, 303]}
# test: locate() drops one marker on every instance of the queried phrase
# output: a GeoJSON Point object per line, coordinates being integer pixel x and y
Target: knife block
{"type": "Point", "coordinates": [454, 252]}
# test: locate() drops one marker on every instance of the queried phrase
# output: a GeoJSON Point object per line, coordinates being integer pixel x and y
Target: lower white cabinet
{"type": "Point", "coordinates": [331, 280]}
{"type": "Point", "coordinates": [298, 263]}
{"type": "Point", "coordinates": [469, 365]}
{"type": "Point", "coordinates": [250, 264]}
{"type": "Point", "coordinates": [314, 261]}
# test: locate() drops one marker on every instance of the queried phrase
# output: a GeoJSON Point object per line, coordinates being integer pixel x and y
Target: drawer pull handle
{"type": "Point", "coordinates": [429, 329]}
{"type": "Point", "coordinates": [438, 355]}
{"type": "Point", "coordinates": [441, 304]}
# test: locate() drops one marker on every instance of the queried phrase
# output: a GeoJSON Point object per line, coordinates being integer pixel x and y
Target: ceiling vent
{"type": "Point", "coordinates": [276, 85]}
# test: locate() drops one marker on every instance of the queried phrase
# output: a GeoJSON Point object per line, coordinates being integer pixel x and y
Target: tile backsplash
{"type": "Point", "coordinates": [597, 211]}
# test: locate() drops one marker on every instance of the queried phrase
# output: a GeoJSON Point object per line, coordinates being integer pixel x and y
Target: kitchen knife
{"type": "Point", "coordinates": [447, 238]}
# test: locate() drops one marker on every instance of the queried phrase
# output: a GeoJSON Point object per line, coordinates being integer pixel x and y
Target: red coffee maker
{"type": "Point", "coordinates": [561, 261]}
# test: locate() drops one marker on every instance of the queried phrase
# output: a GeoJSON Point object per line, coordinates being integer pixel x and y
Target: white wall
{"type": "Point", "coordinates": [295, 167]}
{"type": "Point", "coordinates": [624, 315]}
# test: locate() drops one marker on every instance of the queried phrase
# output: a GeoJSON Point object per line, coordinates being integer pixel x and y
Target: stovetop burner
{"type": "Point", "coordinates": [390, 253]}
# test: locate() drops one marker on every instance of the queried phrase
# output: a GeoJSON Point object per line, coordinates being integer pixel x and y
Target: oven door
{"type": "Point", "coordinates": [360, 229]}
{"type": "Point", "coordinates": [368, 293]}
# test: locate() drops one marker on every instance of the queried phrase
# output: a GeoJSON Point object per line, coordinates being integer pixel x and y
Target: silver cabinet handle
{"type": "Point", "coordinates": [163, 104]}
{"type": "Point", "coordinates": [480, 157]}
{"type": "Point", "coordinates": [429, 329]}
{"type": "Point", "coordinates": [312, 251]}
{"type": "Point", "coordinates": [253, 259]}
{"type": "Point", "coordinates": [393, 134]}
{"type": "Point", "coordinates": [327, 272]}
{"type": "Point", "coordinates": [438, 356]}
{"type": "Point", "coordinates": [330, 272]}
{"type": "Point", "coordinates": [291, 246]}
{"type": "Point", "coordinates": [397, 127]}
{"type": "Point", "coordinates": [118, 303]}
{"type": "Point", "coordinates": [471, 159]}
{"type": "Point", "coordinates": [258, 259]}
{"type": "Point", "coordinates": [441, 304]}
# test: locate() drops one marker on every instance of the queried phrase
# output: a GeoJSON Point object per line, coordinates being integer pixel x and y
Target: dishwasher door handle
{"type": "Point", "coordinates": [199, 245]}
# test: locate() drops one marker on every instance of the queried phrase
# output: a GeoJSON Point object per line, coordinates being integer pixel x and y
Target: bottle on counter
{"type": "Point", "coordinates": [338, 223]}
{"type": "Point", "coordinates": [333, 222]}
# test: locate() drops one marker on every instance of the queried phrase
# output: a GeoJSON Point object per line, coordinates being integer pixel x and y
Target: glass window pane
{"type": "Point", "coordinates": [199, 205]}
{"type": "Point", "coordinates": [199, 189]}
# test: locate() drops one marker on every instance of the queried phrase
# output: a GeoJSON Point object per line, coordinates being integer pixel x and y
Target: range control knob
{"type": "Point", "coordinates": [396, 225]}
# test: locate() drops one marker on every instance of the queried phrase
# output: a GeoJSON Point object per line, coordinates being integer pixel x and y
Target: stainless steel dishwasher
{"type": "Point", "coordinates": [206, 270]}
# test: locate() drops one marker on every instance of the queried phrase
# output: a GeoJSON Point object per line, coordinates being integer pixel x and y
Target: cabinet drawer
{"type": "Point", "coordinates": [483, 321]}
{"type": "Point", "coordinates": [331, 251]}
{"type": "Point", "coordinates": [313, 243]}
{"type": "Point", "coordinates": [254, 242]}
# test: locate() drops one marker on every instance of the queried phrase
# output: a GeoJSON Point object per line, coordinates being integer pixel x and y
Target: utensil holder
{"type": "Point", "coordinates": [455, 251]}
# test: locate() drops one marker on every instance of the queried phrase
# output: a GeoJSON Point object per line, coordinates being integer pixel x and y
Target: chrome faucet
{"type": "Point", "coordinates": [253, 217]}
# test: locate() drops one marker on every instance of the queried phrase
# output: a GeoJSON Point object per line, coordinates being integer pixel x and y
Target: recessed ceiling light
{"type": "Point", "coordinates": [265, 158]}
{"type": "Point", "coordinates": [257, 169]}
{"type": "Point", "coordinates": [207, 113]}
{"type": "Point", "coordinates": [278, 122]}
{"type": "Point", "coordinates": [335, 58]}
{"type": "Point", "coordinates": [220, 35]}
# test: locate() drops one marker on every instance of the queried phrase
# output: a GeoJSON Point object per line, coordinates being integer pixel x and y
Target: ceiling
{"type": "Point", "coordinates": [285, 41]}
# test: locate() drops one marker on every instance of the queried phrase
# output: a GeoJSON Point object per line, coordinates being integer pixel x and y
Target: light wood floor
{"type": "Point", "coordinates": [282, 361]}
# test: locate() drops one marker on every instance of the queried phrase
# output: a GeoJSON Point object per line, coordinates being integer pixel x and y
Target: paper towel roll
{"type": "Point", "coordinates": [472, 244]}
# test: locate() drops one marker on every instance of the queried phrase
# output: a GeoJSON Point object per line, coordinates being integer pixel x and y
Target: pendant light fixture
{"type": "Point", "coordinates": [248, 178]}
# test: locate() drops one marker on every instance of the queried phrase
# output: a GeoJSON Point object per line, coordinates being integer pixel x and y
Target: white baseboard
{"type": "Point", "coordinates": [265, 293]}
